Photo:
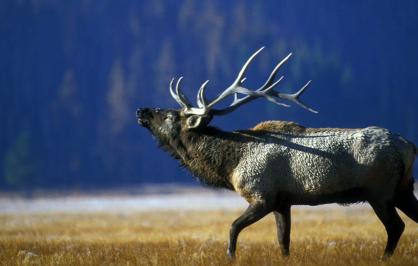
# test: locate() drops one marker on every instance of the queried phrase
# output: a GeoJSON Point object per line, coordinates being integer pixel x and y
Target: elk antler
{"type": "Point", "coordinates": [236, 88]}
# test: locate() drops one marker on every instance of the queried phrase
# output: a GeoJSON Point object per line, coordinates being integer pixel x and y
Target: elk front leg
{"type": "Point", "coordinates": [254, 212]}
{"type": "Point", "coordinates": [283, 222]}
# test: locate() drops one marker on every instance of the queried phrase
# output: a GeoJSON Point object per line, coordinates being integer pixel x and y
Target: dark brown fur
{"type": "Point", "coordinates": [211, 155]}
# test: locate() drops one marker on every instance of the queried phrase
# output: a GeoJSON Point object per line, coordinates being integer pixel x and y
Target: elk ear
{"type": "Point", "coordinates": [194, 121]}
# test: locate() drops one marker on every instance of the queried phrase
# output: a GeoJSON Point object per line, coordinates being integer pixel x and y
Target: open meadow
{"type": "Point", "coordinates": [329, 235]}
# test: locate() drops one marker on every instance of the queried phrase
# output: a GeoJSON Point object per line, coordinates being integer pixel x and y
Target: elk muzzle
{"type": "Point", "coordinates": [143, 115]}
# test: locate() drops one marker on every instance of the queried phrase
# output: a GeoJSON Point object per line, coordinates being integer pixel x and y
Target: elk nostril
{"type": "Point", "coordinates": [140, 112]}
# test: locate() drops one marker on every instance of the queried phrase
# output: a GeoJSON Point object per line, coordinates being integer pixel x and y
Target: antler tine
{"type": "Point", "coordinates": [200, 99]}
{"type": "Point", "coordinates": [240, 78]}
{"type": "Point", "coordinates": [174, 95]}
{"type": "Point", "coordinates": [294, 97]}
{"type": "Point", "coordinates": [266, 86]}
{"type": "Point", "coordinates": [185, 103]}
{"type": "Point", "coordinates": [237, 82]}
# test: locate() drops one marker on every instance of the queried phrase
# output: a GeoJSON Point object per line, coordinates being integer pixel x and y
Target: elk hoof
{"type": "Point", "coordinates": [285, 253]}
{"type": "Point", "coordinates": [386, 256]}
{"type": "Point", "coordinates": [231, 254]}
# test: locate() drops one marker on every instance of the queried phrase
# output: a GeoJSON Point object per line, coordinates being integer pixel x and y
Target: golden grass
{"type": "Point", "coordinates": [337, 236]}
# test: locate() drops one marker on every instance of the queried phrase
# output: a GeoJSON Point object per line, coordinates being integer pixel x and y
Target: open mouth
{"type": "Point", "coordinates": [143, 122]}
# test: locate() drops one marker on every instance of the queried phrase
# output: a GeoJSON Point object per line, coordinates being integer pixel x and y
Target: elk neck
{"type": "Point", "coordinates": [210, 154]}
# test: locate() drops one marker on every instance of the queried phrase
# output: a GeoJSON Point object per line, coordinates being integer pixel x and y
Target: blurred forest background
{"type": "Point", "coordinates": [72, 74]}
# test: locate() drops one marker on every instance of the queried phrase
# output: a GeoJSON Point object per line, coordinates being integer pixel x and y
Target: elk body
{"type": "Point", "coordinates": [278, 164]}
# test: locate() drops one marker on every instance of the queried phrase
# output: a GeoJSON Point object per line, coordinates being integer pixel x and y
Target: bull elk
{"type": "Point", "coordinates": [278, 164]}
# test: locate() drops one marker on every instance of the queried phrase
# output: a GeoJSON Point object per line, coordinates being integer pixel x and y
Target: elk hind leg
{"type": "Point", "coordinates": [406, 201]}
{"type": "Point", "coordinates": [283, 223]}
{"type": "Point", "coordinates": [393, 224]}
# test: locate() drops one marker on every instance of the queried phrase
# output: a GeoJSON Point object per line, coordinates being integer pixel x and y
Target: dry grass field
{"type": "Point", "coordinates": [324, 236]}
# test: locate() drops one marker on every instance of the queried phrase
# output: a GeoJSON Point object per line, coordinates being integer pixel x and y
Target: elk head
{"type": "Point", "coordinates": [166, 124]}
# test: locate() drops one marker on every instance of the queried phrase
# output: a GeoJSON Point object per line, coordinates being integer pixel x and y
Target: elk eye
{"type": "Point", "coordinates": [169, 116]}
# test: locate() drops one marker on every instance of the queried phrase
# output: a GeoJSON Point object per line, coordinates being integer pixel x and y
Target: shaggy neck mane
{"type": "Point", "coordinates": [210, 154]}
